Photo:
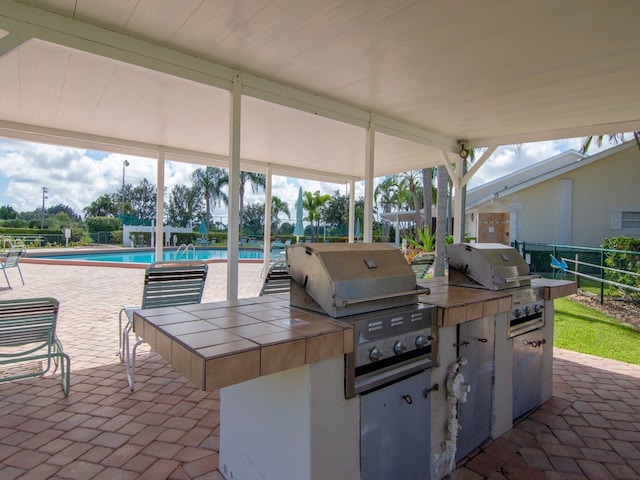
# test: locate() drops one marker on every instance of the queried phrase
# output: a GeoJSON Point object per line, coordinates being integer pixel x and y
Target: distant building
{"type": "Point", "coordinates": [569, 199]}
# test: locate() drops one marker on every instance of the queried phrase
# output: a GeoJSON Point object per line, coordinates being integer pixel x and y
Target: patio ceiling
{"type": "Point", "coordinates": [132, 75]}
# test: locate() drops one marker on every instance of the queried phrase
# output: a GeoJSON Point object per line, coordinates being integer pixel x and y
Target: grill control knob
{"type": "Point", "coordinates": [421, 341]}
{"type": "Point", "coordinates": [517, 313]}
{"type": "Point", "coordinates": [538, 307]}
{"type": "Point", "coordinates": [398, 348]}
{"type": "Point", "coordinates": [527, 310]}
{"type": "Point", "coordinates": [375, 354]}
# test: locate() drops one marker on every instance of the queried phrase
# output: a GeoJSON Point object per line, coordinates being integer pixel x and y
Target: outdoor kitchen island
{"type": "Point", "coordinates": [281, 373]}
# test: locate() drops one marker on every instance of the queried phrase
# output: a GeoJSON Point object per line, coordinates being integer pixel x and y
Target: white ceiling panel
{"type": "Point", "coordinates": [157, 73]}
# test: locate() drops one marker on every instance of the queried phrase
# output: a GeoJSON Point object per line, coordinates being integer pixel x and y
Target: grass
{"type": "Point", "coordinates": [583, 329]}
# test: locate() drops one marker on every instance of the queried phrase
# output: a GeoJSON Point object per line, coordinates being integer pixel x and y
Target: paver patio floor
{"type": "Point", "coordinates": [167, 429]}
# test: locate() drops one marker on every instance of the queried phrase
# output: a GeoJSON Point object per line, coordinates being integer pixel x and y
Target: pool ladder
{"type": "Point", "coordinates": [183, 250]}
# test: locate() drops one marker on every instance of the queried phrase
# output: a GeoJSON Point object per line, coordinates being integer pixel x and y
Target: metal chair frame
{"type": "Point", "coordinates": [277, 279]}
{"type": "Point", "coordinates": [28, 333]}
{"type": "Point", "coordinates": [166, 284]}
{"type": "Point", "coordinates": [12, 260]}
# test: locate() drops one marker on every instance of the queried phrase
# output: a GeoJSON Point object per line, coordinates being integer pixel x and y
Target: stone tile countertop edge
{"type": "Point", "coordinates": [249, 338]}
{"type": "Point", "coordinates": [463, 304]}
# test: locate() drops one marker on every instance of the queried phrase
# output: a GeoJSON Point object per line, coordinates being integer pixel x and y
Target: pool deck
{"type": "Point", "coordinates": [167, 429]}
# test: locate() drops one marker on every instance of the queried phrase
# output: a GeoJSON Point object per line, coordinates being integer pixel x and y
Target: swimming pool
{"type": "Point", "coordinates": [149, 256]}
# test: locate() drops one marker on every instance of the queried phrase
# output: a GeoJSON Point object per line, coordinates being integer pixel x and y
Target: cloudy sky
{"type": "Point", "coordinates": [76, 177]}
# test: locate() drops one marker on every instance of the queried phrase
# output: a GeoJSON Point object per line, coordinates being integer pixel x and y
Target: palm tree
{"type": "Point", "coordinates": [429, 195]}
{"type": "Point", "coordinates": [385, 197]}
{"type": "Point", "coordinates": [257, 182]}
{"type": "Point", "coordinates": [412, 181]}
{"type": "Point", "coordinates": [209, 183]}
{"type": "Point", "coordinates": [277, 207]}
{"type": "Point", "coordinates": [613, 139]}
{"type": "Point", "coordinates": [313, 204]}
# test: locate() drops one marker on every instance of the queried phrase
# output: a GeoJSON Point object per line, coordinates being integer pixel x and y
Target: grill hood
{"type": "Point", "coordinates": [492, 266]}
{"type": "Point", "coordinates": [341, 279]}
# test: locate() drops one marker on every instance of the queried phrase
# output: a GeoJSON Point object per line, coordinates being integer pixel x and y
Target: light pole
{"type": "Point", "coordinates": [44, 196]}
{"type": "Point", "coordinates": [125, 164]}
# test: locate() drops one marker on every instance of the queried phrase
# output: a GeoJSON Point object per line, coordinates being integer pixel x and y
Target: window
{"type": "Point", "coordinates": [625, 219]}
{"type": "Point", "coordinates": [631, 220]}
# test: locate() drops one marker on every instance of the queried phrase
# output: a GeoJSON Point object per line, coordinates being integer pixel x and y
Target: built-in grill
{"type": "Point", "coordinates": [493, 266]}
{"type": "Point", "coordinates": [372, 287]}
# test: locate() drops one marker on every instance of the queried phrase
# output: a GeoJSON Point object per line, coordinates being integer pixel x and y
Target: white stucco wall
{"type": "Point", "coordinates": [595, 190]}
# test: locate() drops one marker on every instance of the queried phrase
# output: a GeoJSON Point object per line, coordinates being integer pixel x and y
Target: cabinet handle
{"type": "Point", "coordinates": [407, 398]}
{"type": "Point", "coordinates": [427, 391]}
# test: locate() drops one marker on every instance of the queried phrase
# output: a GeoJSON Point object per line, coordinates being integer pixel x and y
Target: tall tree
{"type": "Point", "coordinates": [209, 182]}
{"type": "Point", "coordinates": [335, 212]}
{"type": "Point", "coordinates": [106, 205]}
{"type": "Point", "coordinates": [313, 204]}
{"type": "Point", "coordinates": [257, 182]}
{"type": "Point", "coordinates": [278, 206]}
{"type": "Point", "coordinates": [7, 212]}
{"type": "Point", "coordinates": [184, 207]}
{"type": "Point", "coordinates": [253, 218]}
{"type": "Point", "coordinates": [412, 181]}
{"type": "Point", "coordinates": [385, 196]}
{"type": "Point", "coordinates": [143, 200]}
{"type": "Point", "coordinates": [429, 195]}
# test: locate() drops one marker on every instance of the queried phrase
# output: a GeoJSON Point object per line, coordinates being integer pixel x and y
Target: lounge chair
{"type": "Point", "coordinates": [28, 334]}
{"type": "Point", "coordinates": [277, 279]}
{"type": "Point", "coordinates": [166, 284]}
{"type": "Point", "coordinates": [12, 260]}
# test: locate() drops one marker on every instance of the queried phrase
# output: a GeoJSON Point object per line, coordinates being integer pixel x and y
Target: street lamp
{"type": "Point", "coordinates": [125, 164]}
{"type": "Point", "coordinates": [44, 197]}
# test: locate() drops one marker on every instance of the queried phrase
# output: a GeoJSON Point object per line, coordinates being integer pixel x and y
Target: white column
{"type": "Point", "coordinates": [267, 218]}
{"type": "Point", "coordinates": [159, 205]}
{"type": "Point", "coordinates": [565, 208]}
{"type": "Point", "coordinates": [352, 211]}
{"type": "Point", "coordinates": [367, 226]}
{"type": "Point", "coordinates": [234, 189]}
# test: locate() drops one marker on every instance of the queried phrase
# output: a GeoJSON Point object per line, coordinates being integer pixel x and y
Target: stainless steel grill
{"type": "Point", "coordinates": [372, 287]}
{"type": "Point", "coordinates": [493, 266]}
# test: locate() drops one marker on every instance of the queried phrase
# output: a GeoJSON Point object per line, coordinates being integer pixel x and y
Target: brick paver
{"type": "Point", "coordinates": [588, 430]}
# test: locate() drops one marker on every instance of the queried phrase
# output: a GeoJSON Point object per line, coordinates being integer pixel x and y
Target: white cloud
{"type": "Point", "coordinates": [511, 158]}
{"type": "Point", "coordinates": [76, 177]}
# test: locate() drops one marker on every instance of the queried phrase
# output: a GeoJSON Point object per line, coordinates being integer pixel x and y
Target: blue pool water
{"type": "Point", "coordinates": [148, 256]}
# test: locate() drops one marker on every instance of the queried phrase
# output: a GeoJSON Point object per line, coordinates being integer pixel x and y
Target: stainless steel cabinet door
{"type": "Point", "coordinates": [395, 429]}
{"type": "Point", "coordinates": [528, 350]}
{"type": "Point", "coordinates": [476, 342]}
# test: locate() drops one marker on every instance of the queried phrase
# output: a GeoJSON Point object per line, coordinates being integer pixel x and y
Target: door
{"type": "Point", "coordinates": [528, 350]}
{"type": "Point", "coordinates": [395, 431]}
{"type": "Point", "coordinates": [493, 228]}
{"type": "Point", "coordinates": [476, 341]}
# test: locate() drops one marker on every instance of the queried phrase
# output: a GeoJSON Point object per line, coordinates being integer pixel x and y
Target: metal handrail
{"type": "Point", "coordinates": [601, 280]}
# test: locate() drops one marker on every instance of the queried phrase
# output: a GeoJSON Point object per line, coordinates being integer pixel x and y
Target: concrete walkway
{"type": "Point", "coordinates": [167, 429]}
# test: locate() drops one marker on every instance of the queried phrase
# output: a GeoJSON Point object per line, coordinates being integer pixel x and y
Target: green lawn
{"type": "Point", "coordinates": [582, 329]}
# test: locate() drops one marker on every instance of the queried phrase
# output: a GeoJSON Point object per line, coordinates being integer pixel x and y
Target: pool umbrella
{"type": "Point", "coordinates": [298, 231]}
{"type": "Point", "coordinates": [357, 229]}
{"type": "Point", "coordinates": [203, 227]}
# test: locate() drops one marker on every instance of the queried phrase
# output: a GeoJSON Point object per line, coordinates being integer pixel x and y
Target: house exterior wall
{"type": "Point", "coordinates": [587, 197]}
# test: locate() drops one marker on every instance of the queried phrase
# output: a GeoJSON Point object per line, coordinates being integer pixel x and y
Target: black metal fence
{"type": "Point", "coordinates": [615, 269]}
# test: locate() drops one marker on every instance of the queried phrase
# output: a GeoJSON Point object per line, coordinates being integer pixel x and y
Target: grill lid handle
{"type": "Point", "coordinates": [521, 277]}
{"type": "Point", "coordinates": [345, 302]}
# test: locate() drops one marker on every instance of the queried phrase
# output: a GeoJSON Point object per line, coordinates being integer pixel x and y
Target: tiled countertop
{"type": "Point", "coordinates": [463, 304]}
{"type": "Point", "coordinates": [219, 344]}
